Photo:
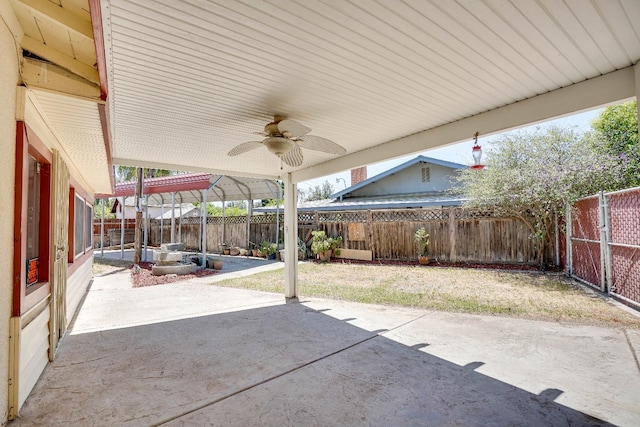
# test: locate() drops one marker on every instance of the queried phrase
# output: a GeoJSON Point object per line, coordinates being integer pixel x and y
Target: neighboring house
{"type": "Point", "coordinates": [55, 158]}
{"type": "Point", "coordinates": [418, 183]}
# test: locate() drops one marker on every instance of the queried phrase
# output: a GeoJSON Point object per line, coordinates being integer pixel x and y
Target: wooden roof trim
{"type": "Point", "coordinates": [98, 40]}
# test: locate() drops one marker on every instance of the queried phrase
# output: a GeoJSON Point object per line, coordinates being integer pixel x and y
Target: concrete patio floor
{"type": "Point", "coordinates": [189, 353]}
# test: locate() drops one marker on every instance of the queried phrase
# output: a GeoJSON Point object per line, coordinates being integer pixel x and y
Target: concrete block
{"type": "Point", "coordinates": [172, 247]}
{"type": "Point", "coordinates": [179, 269]}
{"type": "Point", "coordinates": [167, 256]}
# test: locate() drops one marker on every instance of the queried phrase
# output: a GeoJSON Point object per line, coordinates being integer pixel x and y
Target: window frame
{"type": "Point", "coordinates": [426, 174]}
{"type": "Point", "coordinates": [86, 203]}
{"type": "Point", "coordinates": [88, 226]}
{"type": "Point", "coordinates": [28, 144]}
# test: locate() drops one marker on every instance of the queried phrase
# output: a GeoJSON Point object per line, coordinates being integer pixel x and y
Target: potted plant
{"type": "Point", "coordinates": [322, 246]}
{"type": "Point", "coordinates": [215, 263]}
{"type": "Point", "coordinates": [269, 249]}
{"type": "Point", "coordinates": [302, 249]}
{"type": "Point", "coordinates": [422, 241]}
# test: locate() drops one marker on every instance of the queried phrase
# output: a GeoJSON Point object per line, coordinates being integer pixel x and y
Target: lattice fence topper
{"type": "Point", "coordinates": [306, 218]}
{"type": "Point", "coordinates": [411, 215]}
{"type": "Point", "coordinates": [227, 220]}
{"type": "Point", "coordinates": [268, 218]}
{"type": "Point", "coordinates": [342, 216]}
{"type": "Point", "coordinates": [191, 220]}
{"type": "Point", "coordinates": [481, 213]}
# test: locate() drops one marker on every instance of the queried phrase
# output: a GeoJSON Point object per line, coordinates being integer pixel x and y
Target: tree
{"type": "Point", "coordinates": [617, 128]}
{"type": "Point", "coordinates": [128, 173]}
{"type": "Point", "coordinates": [230, 210]}
{"type": "Point", "coordinates": [535, 175]}
{"type": "Point", "coordinates": [320, 192]}
{"type": "Point", "coordinates": [108, 205]}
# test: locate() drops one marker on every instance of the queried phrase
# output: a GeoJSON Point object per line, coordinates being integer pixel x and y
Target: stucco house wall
{"type": "Point", "coordinates": [8, 83]}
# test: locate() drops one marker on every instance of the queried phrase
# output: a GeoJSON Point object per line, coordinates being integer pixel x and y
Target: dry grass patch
{"type": "Point", "coordinates": [528, 295]}
{"type": "Point", "coordinates": [102, 266]}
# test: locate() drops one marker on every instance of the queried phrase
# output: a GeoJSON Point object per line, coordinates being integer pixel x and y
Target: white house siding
{"type": "Point", "coordinates": [409, 181]}
{"type": "Point", "coordinates": [77, 285]}
{"type": "Point", "coordinates": [34, 353]}
{"type": "Point", "coordinates": [8, 83]}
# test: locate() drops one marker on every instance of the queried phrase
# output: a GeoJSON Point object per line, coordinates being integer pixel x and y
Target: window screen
{"type": "Point", "coordinates": [88, 226]}
{"type": "Point", "coordinates": [79, 225]}
{"type": "Point", "coordinates": [426, 175]}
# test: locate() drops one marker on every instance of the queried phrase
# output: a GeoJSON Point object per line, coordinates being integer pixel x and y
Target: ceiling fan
{"type": "Point", "coordinates": [284, 137]}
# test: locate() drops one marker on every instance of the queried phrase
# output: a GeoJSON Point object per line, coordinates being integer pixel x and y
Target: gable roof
{"type": "Point", "coordinates": [392, 171]}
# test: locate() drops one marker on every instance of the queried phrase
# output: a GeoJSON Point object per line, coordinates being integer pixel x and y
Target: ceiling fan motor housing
{"type": "Point", "coordinates": [272, 129]}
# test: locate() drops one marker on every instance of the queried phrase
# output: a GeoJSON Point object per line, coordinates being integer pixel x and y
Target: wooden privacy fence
{"type": "Point", "coordinates": [112, 231]}
{"type": "Point", "coordinates": [457, 234]}
{"type": "Point", "coordinates": [603, 243]}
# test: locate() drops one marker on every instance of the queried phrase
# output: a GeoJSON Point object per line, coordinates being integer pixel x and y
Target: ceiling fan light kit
{"type": "Point", "coordinates": [278, 145]}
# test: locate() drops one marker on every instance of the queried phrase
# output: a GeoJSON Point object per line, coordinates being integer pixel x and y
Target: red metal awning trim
{"type": "Point", "coordinates": [165, 184]}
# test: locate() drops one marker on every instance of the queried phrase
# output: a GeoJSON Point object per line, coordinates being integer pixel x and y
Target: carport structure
{"type": "Point", "coordinates": [194, 188]}
{"type": "Point", "coordinates": [186, 82]}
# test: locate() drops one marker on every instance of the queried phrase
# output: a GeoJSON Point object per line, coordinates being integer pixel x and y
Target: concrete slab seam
{"type": "Point", "coordinates": [266, 380]}
{"type": "Point", "coordinates": [633, 351]}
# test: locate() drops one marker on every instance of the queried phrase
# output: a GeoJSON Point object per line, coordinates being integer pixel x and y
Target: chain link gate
{"type": "Point", "coordinates": [603, 240]}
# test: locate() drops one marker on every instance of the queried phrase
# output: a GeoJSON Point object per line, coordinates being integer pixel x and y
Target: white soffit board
{"type": "Point", "coordinates": [76, 125]}
{"type": "Point", "coordinates": [190, 80]}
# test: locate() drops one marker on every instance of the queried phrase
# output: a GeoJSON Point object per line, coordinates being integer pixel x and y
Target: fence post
{"type": "Point", "coordinates": [557, 250]}
{"type": "Point", "coordinates": [370, 234]}
{"type": "Point", "coordinates": [452, 234]}
{"type": "Point", "coordinates": [607, 247]}
{"type": "Point", "coordinates": [568, 234]}
{"type": "Point", "coordinates": [102, 230]}
{"type": "Point", "coordinates": [122, 231]}
{"type": "Point", "coordinates": [603, 242]}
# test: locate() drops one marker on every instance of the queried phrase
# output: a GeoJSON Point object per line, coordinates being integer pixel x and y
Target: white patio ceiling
{"type": "Point", "coordinates": [190, 80]}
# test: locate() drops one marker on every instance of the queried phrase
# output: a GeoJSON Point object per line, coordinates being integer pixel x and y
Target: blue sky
{"type": "Point", "coordinates": [458, 153]}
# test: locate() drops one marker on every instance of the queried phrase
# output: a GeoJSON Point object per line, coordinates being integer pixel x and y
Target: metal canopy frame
{"type": "Point", "coordinates": [190, 188]}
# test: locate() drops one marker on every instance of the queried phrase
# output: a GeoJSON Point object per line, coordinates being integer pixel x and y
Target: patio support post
{"type": "Point", "coordinates": [122, 230]}
{"type": "Point", "coordinates": [161, 218]}
{"type": "Point", "coordinates": [224, 220]}
{"type": "Point", "coordinates": [249, 213]}
{"type": "Point", "coordinates": [290, 240]}
{"type": "Point", "coordinates": [146, 229]}
{"type": "Point", "coordinates": [102, 230]}
{"type": "Point", "coordinates": [204, 229]}
{"type": "Point", "coordinates": [173, 217]}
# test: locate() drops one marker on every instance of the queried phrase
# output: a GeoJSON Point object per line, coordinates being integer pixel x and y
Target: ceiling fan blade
{"type": "Point", "coordinates": [321, 144]}
{"type": "Point", "coordinates": [292, 128]}
{"type": "Point", "coordinates": [244, 147]}
{"type": "Point", "coordinates": [293, 157]}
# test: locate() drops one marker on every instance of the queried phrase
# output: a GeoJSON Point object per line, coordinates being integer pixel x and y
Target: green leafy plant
{"type": "Point", "coordinates": [422, 240]}
{"type": "Point", "coordinates": [268, 248]}
{"type": "Point", "coordinates": [322, 243]}
{"type": "Point", "coordinates": [302, 249]}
